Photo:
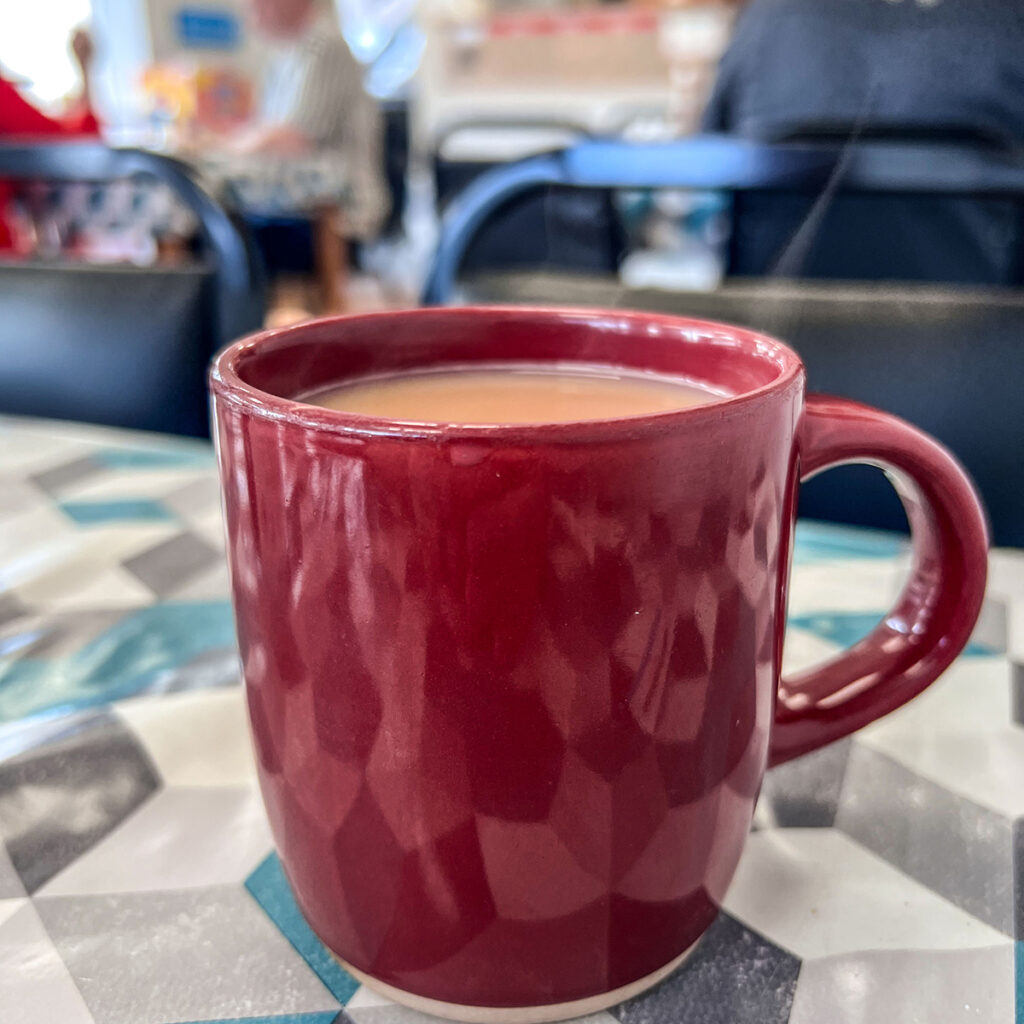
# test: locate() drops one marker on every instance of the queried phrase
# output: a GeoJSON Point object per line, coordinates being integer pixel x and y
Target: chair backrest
{"type": "Point", "coordinates": [949, 360]}
{"type": "Point", "coordinates": [872, 166]}
{"type": "Point", "coordinates": [562, 228]}
{"type": "Point", "coordinates": [119, 344]}
{"type": "Point", "coordinates": [832, 235]}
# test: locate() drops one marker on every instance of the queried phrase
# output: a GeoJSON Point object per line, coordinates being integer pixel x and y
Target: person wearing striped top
{"type": "Point", "coordinates": [315, 113]}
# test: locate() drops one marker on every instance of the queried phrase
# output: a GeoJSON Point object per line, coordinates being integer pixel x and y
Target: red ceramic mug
{"type": "Point", "coordinates": [513, 689]}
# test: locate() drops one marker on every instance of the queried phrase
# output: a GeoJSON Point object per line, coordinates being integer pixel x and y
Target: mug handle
{"type": "Point", "coordinates": [933, 616]}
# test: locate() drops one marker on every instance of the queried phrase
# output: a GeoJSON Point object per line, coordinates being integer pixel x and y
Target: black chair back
{"type": "Point", "coordinates": [118, 344]}
{"type": "Point", "coordinates": [948, 360]}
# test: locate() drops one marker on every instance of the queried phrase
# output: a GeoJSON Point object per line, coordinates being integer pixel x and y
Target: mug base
{"type": "Point", "coordinates": [517, 1014]}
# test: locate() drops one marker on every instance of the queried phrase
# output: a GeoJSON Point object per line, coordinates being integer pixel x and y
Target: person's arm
{"type": "Point", "coordinates": [79, 118]}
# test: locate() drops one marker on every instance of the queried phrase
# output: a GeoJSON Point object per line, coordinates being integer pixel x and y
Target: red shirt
{"type": "Point", "coordinates": [18, 118]}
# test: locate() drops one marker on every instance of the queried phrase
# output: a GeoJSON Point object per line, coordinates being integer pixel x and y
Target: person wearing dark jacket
{"type": "Point", "coordinates": [939, 70]}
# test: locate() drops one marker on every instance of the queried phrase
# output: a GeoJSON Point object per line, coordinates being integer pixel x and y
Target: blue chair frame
{"type": "Point", "coordinates": [725, 163]}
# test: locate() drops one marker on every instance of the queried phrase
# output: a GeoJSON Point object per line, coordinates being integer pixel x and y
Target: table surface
{"type": "Point", "coordinates": [138, 883]}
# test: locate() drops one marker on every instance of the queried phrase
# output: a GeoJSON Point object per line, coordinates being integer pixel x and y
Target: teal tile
{"type": "Point", "coordinates": [271, 891]}
{"type": "Point", "coordinates": [846, 628]}
{"type": "Point", "coordinates": [1019, 979]}
{"type": "Point", "coordinates": [185, 454]}
{"type": "Point", "coordinates": [819, 542]}
{"type": "Point", "coordinates": [89, 512]}
{"type": "Point", "coordinates": [322, 1017]}
{"type": "Point", "coordinates": [130, 656]}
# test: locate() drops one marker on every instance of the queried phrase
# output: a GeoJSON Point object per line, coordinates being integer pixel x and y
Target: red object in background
{"type": "Point", "coordinates": [513, 690]}
{"type": "Point", "coordinates": [19, 119]}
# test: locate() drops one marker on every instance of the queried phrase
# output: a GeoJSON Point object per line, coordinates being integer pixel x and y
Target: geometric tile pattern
{"type": "Point", "coordinates": [112, 575]}
{"type": "Point", "coordinates": [269, 887]}
{"type": "Point", "coordinates": [884, 880]}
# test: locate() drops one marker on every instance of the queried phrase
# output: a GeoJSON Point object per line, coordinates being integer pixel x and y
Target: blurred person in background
{"type": "Point", "coordinates": [313, 101]}
{"type": "Point", "coordinates": [917, 69]}
{"type": "Point", "coordinates": [20, 119]}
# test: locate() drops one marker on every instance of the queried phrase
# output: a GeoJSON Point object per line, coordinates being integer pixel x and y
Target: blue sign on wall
{"type": "Point", "coordinates": [202, 28]}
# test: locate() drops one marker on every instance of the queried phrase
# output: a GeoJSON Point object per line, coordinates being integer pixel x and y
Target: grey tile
{"type": "Point", "coordinates": [52, 480]}
{"type": "Point", "coordinates": [10, 608]}
{"type": "Point", "coordinates": [172, 563]}
{"type": "Point", "coordinates": [804, 793]}
{"type": "Point", "coordinates": [57, 801]}
{"type": "Point", "coordinates": [194, 498]}
{"type": "Point", "coordinates": [210, 584]}
{"type": "Point", "coordinates": [210, 669]}
{"type": "Point", "coordinates": [937, 986]}
{"type": "Point", "coordinates": [63, 633]}
{"type": "Point", "coordinates": [25, 734]}
{"type": "Point", "coordinates": [957, 848]}
{"type": "Point", "coordinates": [198, 954]}
{"type": "Point", "coordinates": [734, 976]}
{"type": "Point", "coordinates": [1018, 882]}
{"type": "Point", "coordinates": [10, 883]}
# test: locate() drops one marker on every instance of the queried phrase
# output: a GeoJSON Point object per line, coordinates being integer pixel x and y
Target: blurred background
{"type": "Point", "coordinates": [846, 174]}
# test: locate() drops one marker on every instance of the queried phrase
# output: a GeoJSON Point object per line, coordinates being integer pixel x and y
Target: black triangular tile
{"type": "Point", "coordinates": [734, 976]}
{"type": "Point", "coordinates": [59, 800]}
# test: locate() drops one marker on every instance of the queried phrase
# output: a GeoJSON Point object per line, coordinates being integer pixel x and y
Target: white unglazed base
{"type": "Point", "coordinates": [517, 1014]}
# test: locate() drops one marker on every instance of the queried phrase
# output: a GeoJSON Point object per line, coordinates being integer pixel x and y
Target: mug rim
{"type": "Point", "coordinates": [225, 380]}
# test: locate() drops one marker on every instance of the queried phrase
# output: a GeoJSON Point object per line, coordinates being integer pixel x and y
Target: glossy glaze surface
{"type": "Point", "coordinates": [512, 689]}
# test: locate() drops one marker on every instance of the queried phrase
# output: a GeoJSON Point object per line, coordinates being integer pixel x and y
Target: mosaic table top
{"type": "Point", "coordinates": [883, 881]}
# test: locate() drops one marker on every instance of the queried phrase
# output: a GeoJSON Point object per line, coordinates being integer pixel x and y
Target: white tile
{"type": "Point", "coordinates": [28, 449]}
{"type": "Point", "coordinates": [209, 525]}
{"type": "Point", "coordinates": [8, 907]}
{"type": "Point", "coordinates": [987, 769]}
{"type": "Point", "coordinates": [197, 738]}
{"type": "Point", "coordinates": [43, 544]}
{"type": "Point", "coordinates": [35, 985]}
{"type": "Point", "coordinates": [377, 1010]}
{"type": "Point", "coordinates": [179, 839]}
{"type": "Point", "coordinates": [846, 585]}
{"type": "Point", "coordinates": [1015, 630]}
{"type": "Point", "coordinates": [34, 541]}
{"type": "Point", "coordinates": [990, 629]}
{"type": "Point", "coordinates": [802, 649]}
{"type": "Point", "coordinates": [19, 497]}
{"type": "Point", "coordinates": [85, 584]}
{"type": "Point", "coordinates": [818, 893]}
{"type": "Point", "coordinates": [1006, 573]}
{"type": "Point", "coordinates": [364, 996]}
{"type": "Point", "coordinates": [959, 734]}
{"type": "Point", "coordinates": [54, 563]}
{"type": "Point", "coordinates": [72, 435]}
{"type": "Point", "coordinates": [971, 696]}
{"type": "Point", "coordinates": [970, 986]}
{"type": "Point", "coordinates": [210, 585]}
